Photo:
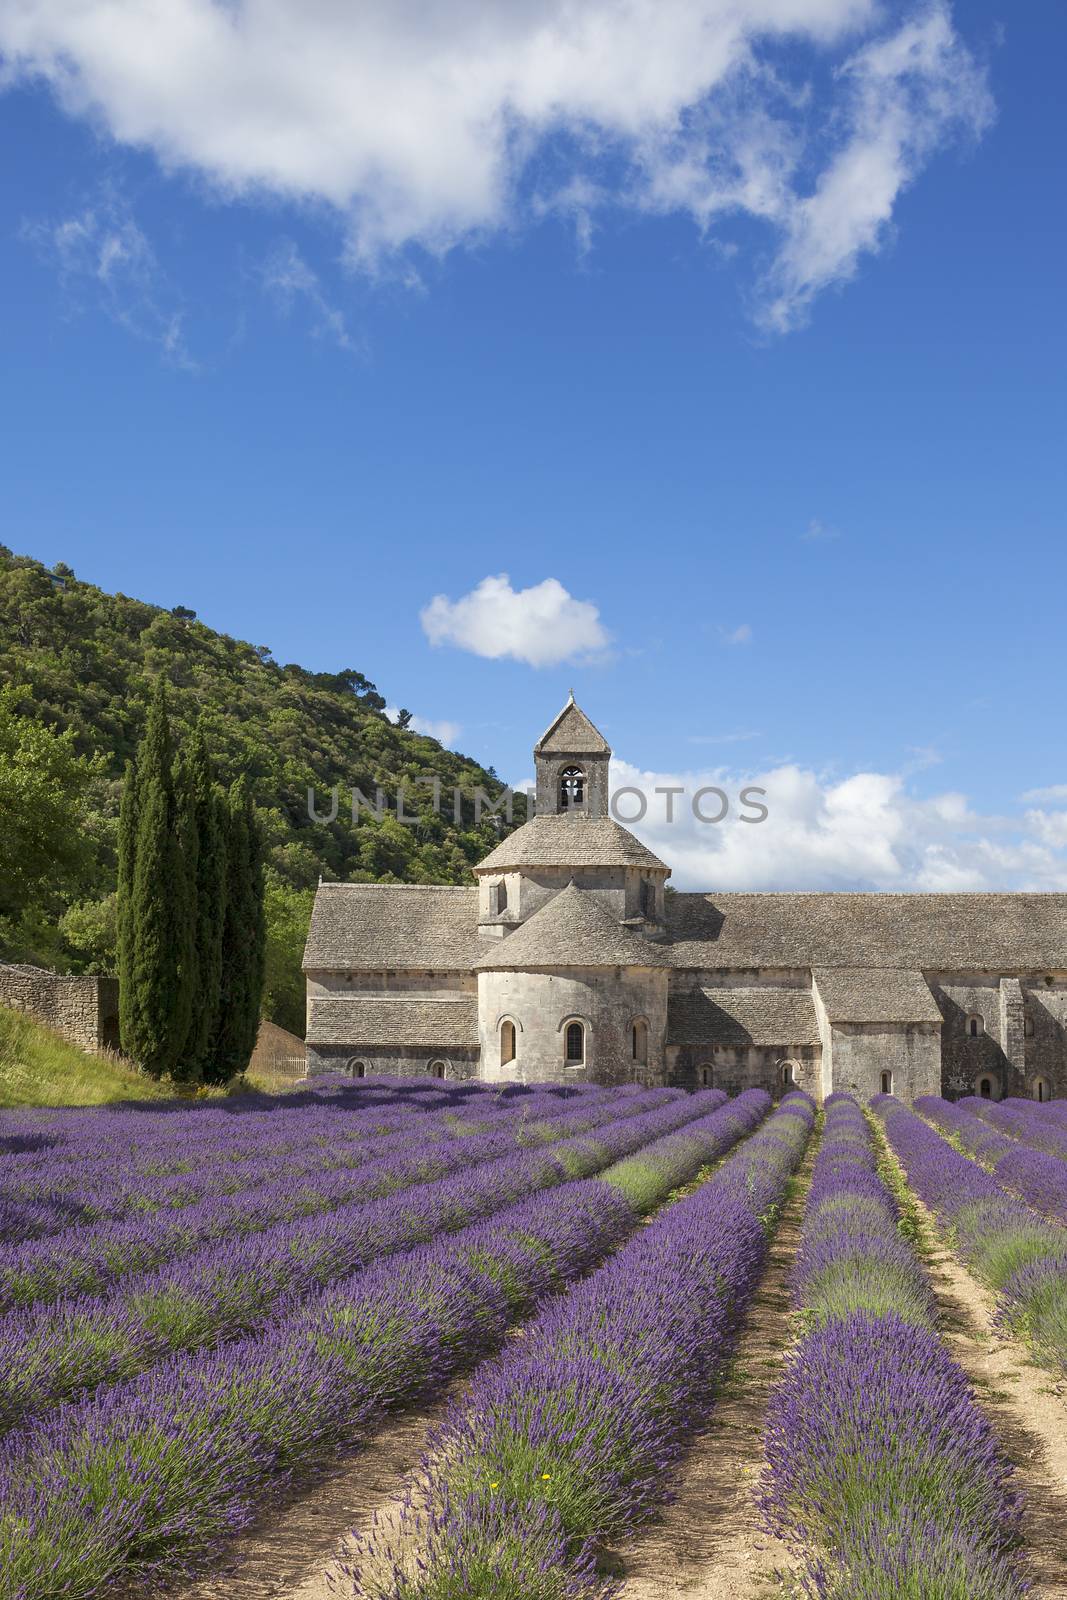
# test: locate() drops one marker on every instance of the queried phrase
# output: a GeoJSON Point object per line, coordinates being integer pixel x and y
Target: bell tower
{"type": "Point", "coordinates": [571, 762]}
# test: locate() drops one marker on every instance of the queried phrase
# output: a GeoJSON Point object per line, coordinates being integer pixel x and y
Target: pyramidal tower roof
{"type": "Point", "coordinates": [572, 734]}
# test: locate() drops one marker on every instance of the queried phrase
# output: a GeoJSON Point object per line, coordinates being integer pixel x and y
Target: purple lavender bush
{"type": "Point", "coordinates": [564, 1441]}
{"type": "Point", "coordinates": [1019, 1254]}
{"type": "Point", "coordinates": [882, 1472]}
{"type": "Point", "coordinates": [150, 1473]}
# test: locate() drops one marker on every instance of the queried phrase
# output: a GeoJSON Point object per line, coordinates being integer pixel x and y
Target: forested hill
{"type": "Point", "coordinates": [87, 660]}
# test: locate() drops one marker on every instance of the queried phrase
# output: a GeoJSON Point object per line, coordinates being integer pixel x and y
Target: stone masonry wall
{"type": "Point", "coordinates": [85, 1010]}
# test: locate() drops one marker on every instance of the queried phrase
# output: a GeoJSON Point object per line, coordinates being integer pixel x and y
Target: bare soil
{"type": "Point", "coordinates": [708, 1543]}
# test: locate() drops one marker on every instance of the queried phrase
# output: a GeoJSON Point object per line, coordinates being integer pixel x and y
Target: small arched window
{"type": "Point", "coordinates": [1028, 1026]}
{"type": "Point", "coordinates": [639, 1041]}
{"type": "Point", "coordinates": [975, 1025]}
{"type": "Point", "coordinates": [507, 1042]}
{"type": "Point", "coordinates": [1041, 1089]}
{"type": "Point", "coordinates": [704, 1074]}
{"type": "Point", "coordinates": [787, 1074]}
{"type": "Point", "coordinates": [437, 1069]}
{"type": "Point", "coordinates": [571, 788]}
{"type": "Point", "coordinates": [357, 1069]}
{"type": "Point", "coordinates": [574, 1043]}
{"type": "Point", "coordinates": [887, 1083]}
{"type": "Point", "coordinates": [985, 1088]}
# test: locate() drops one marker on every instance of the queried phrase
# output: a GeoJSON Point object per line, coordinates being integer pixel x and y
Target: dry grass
{"type": "Point", "coordinates": [39, 1068]}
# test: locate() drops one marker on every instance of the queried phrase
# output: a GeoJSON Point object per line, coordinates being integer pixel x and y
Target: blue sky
{"type": "Point", "coordinates": [748, 342]}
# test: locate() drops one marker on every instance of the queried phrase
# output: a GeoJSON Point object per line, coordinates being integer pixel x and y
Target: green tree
{"type": "Point", "coordinates": [157, 937]}
{"type": "Point", "coordinates": [288, 914]}
{"type": "Point", "coordinates": [209, 816]}
{"type": "Point", "coordinates": [43, 783]}
{"type": "Point", "coordinates": [241, 988]}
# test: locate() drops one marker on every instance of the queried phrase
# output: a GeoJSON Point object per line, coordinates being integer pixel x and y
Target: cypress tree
{"type": "Point", "coordinates": [210, 822]}
{"type": "Point", "coordinates": [244, 942]}
{"type": "Point", "coordinates": [184, 1067]}
{"type": "Point", "coordinates": [159, 926]}
{"type": "Point", "coordinates": [127, 855]}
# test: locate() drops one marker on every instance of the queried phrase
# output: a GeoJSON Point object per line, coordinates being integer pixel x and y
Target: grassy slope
{"type": "Point", "coordinates": [39, 1068]}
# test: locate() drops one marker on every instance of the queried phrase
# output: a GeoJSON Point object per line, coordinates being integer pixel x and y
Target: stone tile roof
{"type": "Point", "coordinates": [931, 932]}
{"type": "Point", "coordinates": [572, 734]}
{"type": "Point", "coordinates": [569, 840]}
{"type": "Point", "coordinates": [363, 1020]}
{"type": "Point", "coordinates": [370, 926]}
{"type": "Point", "coordinates": [875, 994]}
{"type": "Point", "coordinates": [765, 1015]}
{"type": "Point", "coordinates": [573, 930]}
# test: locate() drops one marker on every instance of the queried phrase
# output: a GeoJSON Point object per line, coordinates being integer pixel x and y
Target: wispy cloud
{"type": "Point", "coordinates": [444, 731]}
{"type": "Point", "coordinates": [742, 634]}
{"type": "Point", "coordinates": [819, 532]}
{"type": "Point", "coordinates": [104, 260]}
{"type": "Point", "coordinates": [429, 125]}
{"type": "Point", "coordinates": [542, 625]}
{"type": "Point", "coordinates": [1054, 792]}
{"type": "Point", "coordinates": [289, 281]}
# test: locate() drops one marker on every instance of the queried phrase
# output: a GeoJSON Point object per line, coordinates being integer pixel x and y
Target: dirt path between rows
{"type": "Point", "coordinates": [1026, 1405]}
{"type": "Point", "coordinates": [288, 1550]}
{"type": "Point", "coordinates": [708, 1543]}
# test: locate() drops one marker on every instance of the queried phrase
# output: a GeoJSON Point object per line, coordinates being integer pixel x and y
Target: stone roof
{"type": "Point", "coordinates": [572, 734]}
{"type": "Point", "coordinates": [571, 839]}
{"type": "Point", "coordinates": [875, 994]}
{"type": "Point", "coordinates": [765, 1015]}
{"type": "Point", "coordinates": [371, 926]}
{"type": "Point", "coordinates": [927, 932]}
{"type": "Point", "coordinates": [449, 1023]}
{"type": "Point", "coordinates": [573, 930]}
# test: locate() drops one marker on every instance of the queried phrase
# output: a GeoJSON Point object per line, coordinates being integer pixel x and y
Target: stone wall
{"type": "Point", "coordinates": [85, 1010]}
{"type": "Point", "coordinates": [383, 1061]}
{"type": "Point", "coordinates": [909, 1051]}
{"type": "Point", "coordinates": [1022, 1034]}
{"type": "Point", "coordinates": [734, 1068]}
{"type": "Point", "coordinates": [607, 1000]}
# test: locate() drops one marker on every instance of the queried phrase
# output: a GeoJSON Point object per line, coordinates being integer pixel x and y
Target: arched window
{"type": "Point", "coordinates": [574, 1044]}
{"type": "Point", "coordinates": [357, 1069]}
{"type": "Point", "coordinates": [975, 1025]}
{"type": "Point", "coordinates": [1028, 1026]}
{"type": "Point", "coordinates": [704, 1074]}
{"type": "Point", "coordinates": [507, 1041]}
{"type": "Point", "coordinates": [1041, 1089]}
{"type": "Point", "coordinates": [887, 1083]}
{"type": "Point", "coordinates": [571, 788]}
{"type": "Point", "coordinates": [437, 1069]}
{"type": "Point", "coordinates": [787, 1074]}
{"type": "Point", "coordinates": [985, 1088]}
{"type": "Point", "coordinates": [639, 1041]}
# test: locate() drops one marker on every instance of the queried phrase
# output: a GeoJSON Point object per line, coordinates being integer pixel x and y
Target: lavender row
{"type": "Point", "coordinates": [562, 1443]}
{"type": "Point", "coordinates": [88, 1259]}
{"type": "Point", "coordinates": [104, 1188]}
{"type": "Point", "coordinates": [1020, 1255]}
{"type": "Point", "coordinates": [49, 1352]}
{"type": "Point", "coordinates": [883, 1474]}
{"type": "Point", "coordinates": [1041, 1180]}
{"type": "Point", "coordinates": [1033, 1123]}
{"type": "Point", "coordinates": [153, 1472]}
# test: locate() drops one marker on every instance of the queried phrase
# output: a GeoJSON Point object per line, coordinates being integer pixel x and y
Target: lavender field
{"type": "Point", "coordinates": [209, 1313]}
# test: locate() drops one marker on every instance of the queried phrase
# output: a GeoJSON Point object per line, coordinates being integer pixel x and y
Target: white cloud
{"type": "Point", "coordinates": [288, 279]}
{"type": "Point", "coordinates": [865, 831]}
{"type": "Point", "coordinates": [104, 258]}
{"type": "Point", "coordinates": [739, 635]}
{"type": "Point", "coordinates": [542, 625]}
{"type": "Point", "coordinates": [1055, 791]}
{"type": "Point", "coordinates": [819, 532]}
{"type": "Point", "coordinates": [443, 731]}
{"type": "Point", "coordinates": [423, 123]}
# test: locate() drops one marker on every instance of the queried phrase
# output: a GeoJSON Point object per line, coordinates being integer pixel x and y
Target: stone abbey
{"type": "Point", "coordinates": [570, 961]}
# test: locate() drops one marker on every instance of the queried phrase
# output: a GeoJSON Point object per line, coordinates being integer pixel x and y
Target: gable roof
{"type": "Point", "coordinates": [875, 994]}
{"type": "Point", "coordinates": [362, 1020]}
{"type": "Point", "coordinates": [571, 839]}
{"type": "Point", "coordinates": [369, 926]}
{"type": "Point", "coordinates": [927, 932]}
{"type": "Point", "coordinates": [572, 734]}
{"type": "Point", "coordinates": [573, 930]}
{"type": "Point", "coordinates": [761, 1015]}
